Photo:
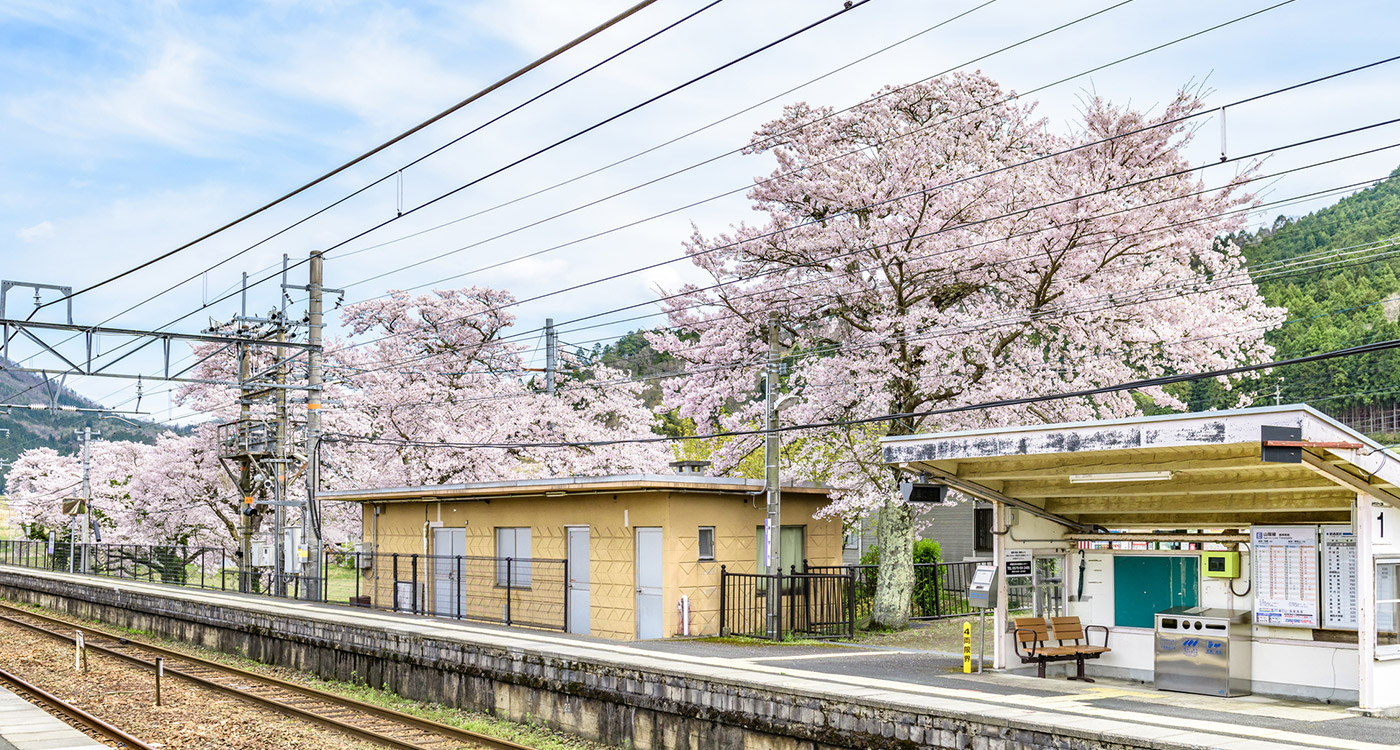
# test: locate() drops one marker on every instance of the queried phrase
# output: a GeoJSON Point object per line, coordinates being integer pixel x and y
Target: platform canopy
{"type": "Point", "coordinates": [1189, 471]}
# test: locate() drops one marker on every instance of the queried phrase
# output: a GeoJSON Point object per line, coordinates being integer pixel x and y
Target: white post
{"type": "Point", "coordinates": [999, 615]}
{"type": "Point", "coordinates": [1365, 603]}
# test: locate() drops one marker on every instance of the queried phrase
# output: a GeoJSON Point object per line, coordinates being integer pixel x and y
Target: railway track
{"type": "Point", "coordinates": [357, 719]}
{"type": "Point", "coordinates": [70, 714]}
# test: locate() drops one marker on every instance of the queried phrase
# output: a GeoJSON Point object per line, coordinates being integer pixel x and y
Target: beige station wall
{"type": "Point", "coordinates": [406, 528]}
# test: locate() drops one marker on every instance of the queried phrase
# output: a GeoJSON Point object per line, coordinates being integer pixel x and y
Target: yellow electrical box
{"type": "Point", "coordinates": [1220, 564]}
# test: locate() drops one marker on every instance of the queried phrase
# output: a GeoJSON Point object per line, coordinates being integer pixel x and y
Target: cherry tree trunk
{"type": "Point", "coordinates": [894, 584]}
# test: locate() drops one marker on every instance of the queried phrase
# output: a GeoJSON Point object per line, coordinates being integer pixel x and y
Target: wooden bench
{"type": "Point", "coordinates": [1060, 639]}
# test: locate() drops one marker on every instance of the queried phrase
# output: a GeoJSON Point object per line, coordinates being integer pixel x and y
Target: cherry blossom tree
{"type": "Point", "coordinates": [918, 262]}
{"type": "Point", "coordinates": [439, 369]}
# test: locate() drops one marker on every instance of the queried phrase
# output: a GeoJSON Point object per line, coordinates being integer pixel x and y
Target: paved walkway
{"type": "Point", "coordinates": [25, 726]}
{"type": "Point", "coordinates": [909, 679]}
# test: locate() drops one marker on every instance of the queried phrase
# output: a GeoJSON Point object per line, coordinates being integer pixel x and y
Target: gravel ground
{"type": "Point", "coordinates": [123, 695]}
{"type": "Point", "coordinates": [534, 736]}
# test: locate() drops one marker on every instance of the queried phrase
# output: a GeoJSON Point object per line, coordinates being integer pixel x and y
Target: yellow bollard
{"type": "Point", "coordinates": [967, 648]}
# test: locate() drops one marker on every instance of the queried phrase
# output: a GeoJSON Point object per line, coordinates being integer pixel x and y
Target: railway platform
{"type": "Point", "coordinates": [688, 694]}
{"type": "Point", "coordinates": [25, 726]}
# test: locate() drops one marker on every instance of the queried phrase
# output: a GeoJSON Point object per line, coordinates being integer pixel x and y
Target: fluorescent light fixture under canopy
{"type": "Point", "coordinates": [1120, 476]}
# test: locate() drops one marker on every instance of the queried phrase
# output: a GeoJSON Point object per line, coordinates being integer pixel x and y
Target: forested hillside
{"type": "Point", "coordinates": [1337, 271]}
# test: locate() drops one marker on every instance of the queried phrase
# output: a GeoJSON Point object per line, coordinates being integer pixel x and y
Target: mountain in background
{"type": "Point", "coordinates": [30, 428]}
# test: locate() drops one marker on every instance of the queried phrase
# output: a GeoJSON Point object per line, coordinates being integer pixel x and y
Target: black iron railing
{"type": "Point", "coordinates": [811, 605]}
{"type": "Point", "coordinates": [513, 591]}
{"type": "Point", "coordinates": [940, 589]}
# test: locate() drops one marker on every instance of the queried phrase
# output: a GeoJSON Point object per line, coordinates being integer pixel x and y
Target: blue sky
{"type": "Point", "coordinates": [130, 128]}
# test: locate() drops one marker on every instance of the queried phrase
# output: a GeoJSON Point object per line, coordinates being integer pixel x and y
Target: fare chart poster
{"type": "Point", "coordinates": [1284, 561]}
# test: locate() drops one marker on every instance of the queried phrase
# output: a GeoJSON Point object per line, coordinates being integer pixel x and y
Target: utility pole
{"type": "Point", "coordinates": [87, 498]}
{"type": "Point", "coordinates": [551, 355]}
{"type": "Point", "coordinates": [245, 470]}
{"type": "Point", "coordinates": [279, 466]}
{"type": "Point", "coordinates": [772, 524]}
{"type": "Point", "coordinates": [311, 517]}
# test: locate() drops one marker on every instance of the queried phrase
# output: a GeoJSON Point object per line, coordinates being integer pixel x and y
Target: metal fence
{"type": "Point", "coordinates": [513, 591]}
{"type": "Point", "coordinates": [940, 589]}
{"type": "Point", "coordinates": [812, 605]}
{"type": "Point", "coordinates": [506, 590]}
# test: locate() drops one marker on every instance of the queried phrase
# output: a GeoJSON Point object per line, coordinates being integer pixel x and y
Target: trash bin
{"type": "Point", "coordinates": [1203, 650]}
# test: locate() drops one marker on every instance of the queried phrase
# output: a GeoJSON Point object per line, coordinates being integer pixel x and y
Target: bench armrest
{"type": "Point", "coordinates": [1088, 641]}
{"type": "Point", "coordinates": [1016, 641]}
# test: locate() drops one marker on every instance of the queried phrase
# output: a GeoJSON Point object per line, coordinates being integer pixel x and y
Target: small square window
{"type": "Point", "coordinates": [707, 542]}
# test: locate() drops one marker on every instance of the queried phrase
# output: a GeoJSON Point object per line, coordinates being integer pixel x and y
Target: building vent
{"type": "Point", "coordinates": [690, 467]}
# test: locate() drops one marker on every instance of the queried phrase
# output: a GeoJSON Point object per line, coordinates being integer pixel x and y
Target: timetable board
{"type": "Point", "coordinates": [1284, 562]}
{"type": "Point", "coordinates": [1339, 590]}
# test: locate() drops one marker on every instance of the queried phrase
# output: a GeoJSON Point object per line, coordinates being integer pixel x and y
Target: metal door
{"type": "Point", "coordinates": [648, 564]}
{"type": "Point", "coordinates": [447, 590]}
{"type": "Point", "coordinates": [578, 580]}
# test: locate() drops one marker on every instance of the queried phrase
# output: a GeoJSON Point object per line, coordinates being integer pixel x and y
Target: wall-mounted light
{"type": "Point", "coordinates": [1120, 476]}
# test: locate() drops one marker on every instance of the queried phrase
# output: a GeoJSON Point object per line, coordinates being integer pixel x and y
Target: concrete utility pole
{"type": "Point", "coordinates": [772, 524]}
{"type": "Point", "coordinates": [551, 355]}
{"type": "Point", "coordinates": [279, 465]}
{"type": "Point", "coordinates": [245, 471]}
{"type": "Point", "coordinates": [87, 499]}
{"type": "Point", "coordinates": [310, 519]}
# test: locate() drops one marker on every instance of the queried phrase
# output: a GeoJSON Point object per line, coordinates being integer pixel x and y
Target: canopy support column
{"type": "Point", "coordinates": [1003, 590]}
{"type": "Point", "coordinates": [1365, 604]}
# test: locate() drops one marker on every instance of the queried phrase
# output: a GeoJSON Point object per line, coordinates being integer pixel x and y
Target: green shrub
{"type": "Point", "coordinates": [925, 551]}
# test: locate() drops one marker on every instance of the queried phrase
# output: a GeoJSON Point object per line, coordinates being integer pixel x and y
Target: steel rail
{"type": "Point", "coordinates": [447, 732]}
{"type": "Point", "coordinates": [62, 706]}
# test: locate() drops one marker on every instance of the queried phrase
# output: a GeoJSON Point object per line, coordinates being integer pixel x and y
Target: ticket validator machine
{"type": "Point", "coordinates": [982, 594]}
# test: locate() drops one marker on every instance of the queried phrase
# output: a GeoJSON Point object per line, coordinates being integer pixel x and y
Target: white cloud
{"type": "Point", "coordinates": [176, 100]}
{"type": "Point", "coordinates": [40, 231]}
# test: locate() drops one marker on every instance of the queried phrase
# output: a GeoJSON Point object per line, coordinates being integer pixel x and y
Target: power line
{"type": "Point", "coordinates": [941, 230]}
{"type": "Point", "coordinates": [1005, 262]}
{"type": "Point", "coordinates": [847, 8]}
{"type": "Point", "coordinates": [1000, 403]}
{"type": "Point", "coordinates": [377, 149]}
{"type": "Point", "coordinates": [399, 171]}
{"type": "Point", "coordinates": [741, 149]}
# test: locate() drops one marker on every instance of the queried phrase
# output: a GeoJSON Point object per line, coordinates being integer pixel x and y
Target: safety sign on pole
{"type": "Point", "coordinates": [967, 648]}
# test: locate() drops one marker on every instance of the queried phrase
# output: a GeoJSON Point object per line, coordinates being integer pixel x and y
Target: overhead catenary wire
{"type": "Point", "coordinates": [1262, 177]}
{"type": "Point", "coordinates": [983, 405]}
{"type": "Point", "coordinates": [1298, 84]}
{"type": "Point", "coordinates": [398, 172]}
{"type": "Point", "coordinates": [741, 149]}
{"type": "Point", "coordinates": [1004, 262]}
{"type": "Point", "coordinates": [998, 170]}
{"type": "Point", "coordinates": [1293, 266]}
{"type": "Point", "coordinates": [377, 149]}
{"type": "Point", "coordinates": [674, 89]}
{"type": "Point", "coordinates": [941, 230]}
{"type": "Point", "coordinates": [1241, 210]}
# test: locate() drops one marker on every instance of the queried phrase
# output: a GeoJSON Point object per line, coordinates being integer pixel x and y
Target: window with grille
{"type": "Point", "coordinates": [513, 543]}
{"type": "Point", "coordinates": [982, 529]}
{"type": "Point", "coordinates": [707, 542]}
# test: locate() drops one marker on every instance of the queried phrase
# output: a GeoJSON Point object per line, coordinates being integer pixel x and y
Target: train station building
{"type": "Point", "coordinates": [1272, 528]}
{"type": "Point", "coordinates": [622, 557]}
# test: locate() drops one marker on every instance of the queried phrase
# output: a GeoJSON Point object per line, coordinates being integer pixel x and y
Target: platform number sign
{"type": "Point", "coordinates": [1385, 525]}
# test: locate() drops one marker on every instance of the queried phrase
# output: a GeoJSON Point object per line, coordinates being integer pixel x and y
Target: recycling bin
{"type": "Point", "coordinates": [1203, 650]}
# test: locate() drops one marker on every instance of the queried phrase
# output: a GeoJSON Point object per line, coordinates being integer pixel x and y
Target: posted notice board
{"type": "Point", "coordinates": [1338, 577]}
{"type": "Point", "coordinates": [1284, 562]}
